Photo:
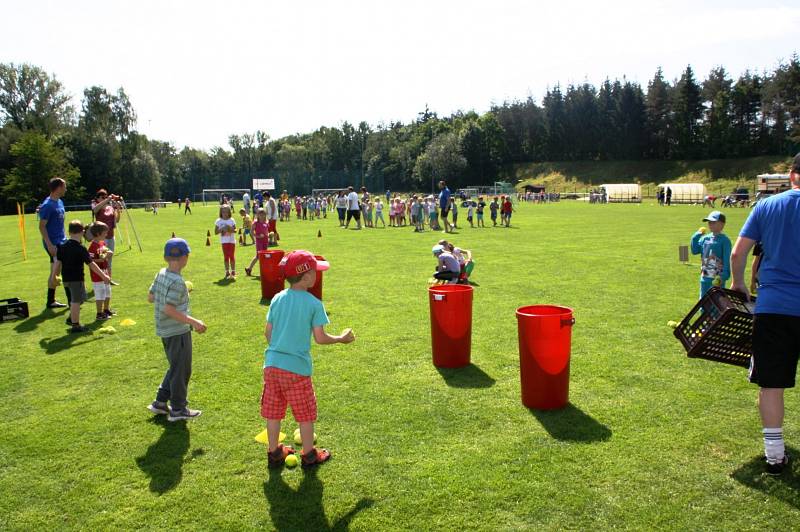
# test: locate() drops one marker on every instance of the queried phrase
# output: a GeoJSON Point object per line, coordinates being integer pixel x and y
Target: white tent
{"type": "Point", "coordinates": [622, 193]}
{"type": "Point", "coordinates": [686, 192]}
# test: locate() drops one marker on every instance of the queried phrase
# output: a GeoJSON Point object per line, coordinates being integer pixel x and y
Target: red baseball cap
{"type": "Point", "coordinates": [300, 261]}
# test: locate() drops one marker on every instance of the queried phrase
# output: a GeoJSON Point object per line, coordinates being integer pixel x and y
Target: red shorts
{"type": "Point", "coordinates": [282, 388]}
{"type": "Point", "coordinates": [228, 251]}
{"type": "Point", "coordinates": [273, 227]}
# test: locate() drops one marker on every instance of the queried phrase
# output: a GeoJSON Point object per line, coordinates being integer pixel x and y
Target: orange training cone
{"type": "Point", "coordinates": [241, 242]}
{"type": "Point", "coordinates": [319, 233]}
{"type": "Point", "coordinates": [173, 234]}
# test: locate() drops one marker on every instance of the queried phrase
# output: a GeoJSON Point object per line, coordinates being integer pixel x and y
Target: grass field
{"type": "Point", "coordinates": [651, 439]}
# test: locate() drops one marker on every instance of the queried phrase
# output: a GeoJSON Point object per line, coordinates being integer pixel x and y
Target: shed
{"type": "Point", "coordinates": [686, 192]}
{"type": "Point", "coordinates": [622, 193]}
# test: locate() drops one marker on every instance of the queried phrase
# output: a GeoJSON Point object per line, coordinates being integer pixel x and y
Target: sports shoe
{"type": "Point", "coordinates": [277, 457]}
{"type": "Point", "coordinates": [111, 312]}
{"type": "Point", "coordinates": [158, 408]}
{"type": "Point", "coordinates": [68, 321]}
{"type": "Point", "coordinates": [777, 469]}
{"type": "Point", "coordinates": [56, 304]}
{"type": "Point", "coordinates": [315, 457]}
{"type": "Point", "coordinates": [186, 413]}
{"type": "Point", "coordinates": [248, 271]}
{"type": "Point", "coordinates": [78, 328]}
{"type": "Point", "coordinates": [101, 316]}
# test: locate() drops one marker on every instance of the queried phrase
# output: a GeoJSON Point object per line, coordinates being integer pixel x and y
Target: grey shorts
{"type": "Point", "coordinates": [77, 291]}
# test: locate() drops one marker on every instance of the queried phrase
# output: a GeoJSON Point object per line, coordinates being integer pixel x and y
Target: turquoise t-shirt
{"type": "Point", "coordinates": [293, 314]}
{"type": "Point", "coordinates": [716, 254]}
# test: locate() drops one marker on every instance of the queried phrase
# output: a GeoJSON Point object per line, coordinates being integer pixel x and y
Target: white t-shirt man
{"type": "Point", "coordinates": [352, 201]}
{"type": "Point", "coordinates": [272, 209]}
{"type": "Point", "coordinates": [246, 201]}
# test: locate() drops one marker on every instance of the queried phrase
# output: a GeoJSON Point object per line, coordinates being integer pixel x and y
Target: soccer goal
{"type": "Point", "coordinates": [325, 191]}
{"type": "Point", "coordinates": [215, 194]}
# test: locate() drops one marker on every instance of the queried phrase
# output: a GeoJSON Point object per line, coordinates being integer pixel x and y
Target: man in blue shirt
{"type": "Point", "coordinates": [775, 223]}
{"type": "Point", "coordinates": [444, 205]}
{"type": "Point", "coordinates": [51, 227]}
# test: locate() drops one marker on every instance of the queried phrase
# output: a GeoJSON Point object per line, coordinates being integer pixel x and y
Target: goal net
{"type": "Point", "coordinates": [214, 195]}
{"type": "Point", "coordinates": [325, 191]}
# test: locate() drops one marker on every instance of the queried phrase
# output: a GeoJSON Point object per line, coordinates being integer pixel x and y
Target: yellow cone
{"type": "Point", "coordinates": [261, 437]}
{"type": "Point", "coordinates": [127, 322]}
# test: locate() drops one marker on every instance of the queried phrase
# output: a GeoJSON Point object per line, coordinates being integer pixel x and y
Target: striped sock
{"type": "Point", "coordinates": [773, 445]}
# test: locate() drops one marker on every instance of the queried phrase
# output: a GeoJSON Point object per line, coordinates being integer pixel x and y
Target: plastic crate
{"type": "Point", "coordinates": [719, 328]}
{"type": "Point", "coordinates": [13, 309]}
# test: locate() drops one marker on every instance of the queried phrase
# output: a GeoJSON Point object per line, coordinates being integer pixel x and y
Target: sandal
{"type": "Point", "coordinates": [277, 457]}
{"type": "Point", "coordinates": [315, 457]}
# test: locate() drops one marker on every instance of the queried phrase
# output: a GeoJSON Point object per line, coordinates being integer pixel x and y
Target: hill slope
{"type": "Point", "coordinates": [719, 175]}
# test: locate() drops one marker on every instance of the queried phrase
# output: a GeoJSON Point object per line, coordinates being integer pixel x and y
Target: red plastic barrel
{"type": "Point", "coordinates": [271, 277]}
{"type": "Point", "coordinates": [545, 337]}
{"type": "Point", "coordinates": [316, 290]}
{"type": "Point", "coordinates": [451, 324]}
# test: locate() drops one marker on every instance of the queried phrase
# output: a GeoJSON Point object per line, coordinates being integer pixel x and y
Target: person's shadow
{"type": "Point", "coordinates": [571, 424]}
{"type": "Point", "coordinates": [785, 487]}
{"type": "Point", "coordinates": [32, 322]}
{"type": "Point", "coordinates": [163, 461]}
{"type": "Point", "coordinates": [302, 509]}
{"type": "Point", "coordinates": [51, 346]}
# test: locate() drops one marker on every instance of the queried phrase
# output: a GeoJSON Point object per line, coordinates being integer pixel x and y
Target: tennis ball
{"type": "Point", "coordinates": [717, 281]}
{"type": "Point", "coordinates": [673, 324]}
{"type": "Point", "coordinates": [291, 460]}
{"type": "Point", "coordinates": [189, 286]}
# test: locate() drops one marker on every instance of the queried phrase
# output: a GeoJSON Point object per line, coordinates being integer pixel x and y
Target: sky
{"type": "Point", "coordinates": [198, 71]}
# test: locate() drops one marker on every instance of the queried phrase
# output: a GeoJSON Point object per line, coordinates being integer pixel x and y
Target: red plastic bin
{"type": "Point", "coordinates": [451, 324]}
{"type": "Point", "coordinates": [272, 280]}
{"type": "Point", "coordinates": [545, 338]}
{"type": "Point", "coordinates": [316, 290]}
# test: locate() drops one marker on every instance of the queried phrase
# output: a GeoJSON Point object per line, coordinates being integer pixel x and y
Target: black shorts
{"type": "Point", "coordinates": [776, 347]}
{"type": "Point", "coordinates": [354, 213]}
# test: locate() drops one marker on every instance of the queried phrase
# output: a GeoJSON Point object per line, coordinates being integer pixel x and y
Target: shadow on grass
{"type": "Point", "coordinates": [70, 339]}
{"type": "Point", "coordinates": [32, 322]}
{"type": "Point", "coordinates": [302, 509]}
{"type": "Point", "coordinates": [467, 377]}
{"type": "Point", "coordinates": [571, 424]}
{"type": "Point", "coordinates": [224, 282]}
{"type": "Point", "coordinates": [163, 461]}
{"type": "Point", "coordinates": [785, 487]}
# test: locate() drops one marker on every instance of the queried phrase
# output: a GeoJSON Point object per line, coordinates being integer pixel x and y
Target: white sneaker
{"type": "Point", "coordinates": [158, 408]}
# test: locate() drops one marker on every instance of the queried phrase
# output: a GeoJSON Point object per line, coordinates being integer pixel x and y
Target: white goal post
{"type": "Point", "coordinates": [325, 191]}
{"type": "Point", "coordinates": [218, 192]}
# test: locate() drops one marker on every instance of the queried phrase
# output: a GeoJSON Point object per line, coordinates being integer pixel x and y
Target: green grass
{"type": "Point", "coordinates": [651, 439]}
{"type": "Point", "coordinates": [721, 176]}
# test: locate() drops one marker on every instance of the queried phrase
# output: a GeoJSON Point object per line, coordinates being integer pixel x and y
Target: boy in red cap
{"type": "Point", "coordinates": [294, 315]}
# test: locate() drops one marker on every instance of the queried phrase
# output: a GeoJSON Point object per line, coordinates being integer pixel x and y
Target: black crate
{"type": "Point", "coordinates": [13, 309]}
{"type": "Point", "coordinates": [719, 328]}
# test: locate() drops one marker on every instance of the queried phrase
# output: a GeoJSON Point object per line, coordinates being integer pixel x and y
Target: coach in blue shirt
{"type": "Point", "coordinates": [444, 205]}
{"type": "Point", "coordinates": [51, 227]}
{"type": "Point", "coordinates": [775, 222]}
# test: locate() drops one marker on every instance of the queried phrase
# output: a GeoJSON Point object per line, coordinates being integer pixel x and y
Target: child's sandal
{"type": "Point", "coordinates": [315, 457]}
{"type": "Point", "coordinates": [277, 457]}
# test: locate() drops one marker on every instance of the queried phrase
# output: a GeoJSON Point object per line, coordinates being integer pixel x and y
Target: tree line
{"type": "Point", "coordinates": [98, 145]}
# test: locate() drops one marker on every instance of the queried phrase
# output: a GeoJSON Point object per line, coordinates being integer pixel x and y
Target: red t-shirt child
{"type": "Point", "coordinates": [261, 233]}
{"type": "Point", "coordinates": [506, 209]}
{"type": "Point", "coordinates": [95, 250]}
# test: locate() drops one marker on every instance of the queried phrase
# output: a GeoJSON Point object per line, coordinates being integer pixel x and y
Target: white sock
{"type": "Point", "coordinates": [773, 445]}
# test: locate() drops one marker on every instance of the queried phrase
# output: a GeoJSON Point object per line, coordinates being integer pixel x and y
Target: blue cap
{"type": "Point", "coordinates": [438, 248]}
{"type": "Point", "coordinates": [176, 247]}
{"type": "Point", "coordinates": [715, 216]}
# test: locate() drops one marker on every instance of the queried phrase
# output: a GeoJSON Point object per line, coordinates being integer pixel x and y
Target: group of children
{"type": "Point", "coordinates": [258, 232]}
{"type": "Point", "coordinates": [420, 211]}
{"type": "Point", "coordinates": [454, 265]}
{"type": "Point", "coordinates": [71, 257]}
{"type": "Point", "coordinates": [294, 317]}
